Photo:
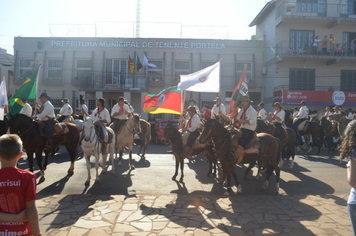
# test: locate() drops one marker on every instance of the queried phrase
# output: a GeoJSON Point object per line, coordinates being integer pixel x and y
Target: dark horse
{"type": "Point", "coordinates": [317, 133]}
{"type": "Point", "coordinates": [288, 141]}
{"type": "Point", "coordinates": [173, 137]}
{"type": "Point", "coordinates": [34, 142]}
{"type": "Point", "coordinates": [145, 137]}
{"type": "Point", "coordinates": [4, 125]}
{"type": "Point", "coordinates": [330, 130]}
{"type": "Point", "coordinates": [221, 138]}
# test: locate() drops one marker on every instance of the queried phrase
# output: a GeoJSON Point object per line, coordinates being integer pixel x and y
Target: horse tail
{"type": "Point", "coordinates": [279, 153]}
{"type": "Point", "coordinates": [148, 133]}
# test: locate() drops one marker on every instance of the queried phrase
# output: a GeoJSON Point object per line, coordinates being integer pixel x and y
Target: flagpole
{"type": "Point", "coordinates": [181, 120]}
{"type": "Point", "coordinates": [38, 75]}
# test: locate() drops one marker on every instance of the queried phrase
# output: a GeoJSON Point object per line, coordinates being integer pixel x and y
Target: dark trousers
{"type": "Point", "coordinates": [246, 137]}
{"type": "Point", "coordinates": [296, 123]}
{"type": "Point", "coordinates": [118, 125]}
{"type": "Point", "coordinates": [325, 50]}
{"type": "Point", "coordinates": [278, 129]}
{"type": "Point", "coordinates": [49, 129]}
{"type": "Point", "coordinates": [192, 137]}
{"type": "Point", "coordinates": [61, 119]}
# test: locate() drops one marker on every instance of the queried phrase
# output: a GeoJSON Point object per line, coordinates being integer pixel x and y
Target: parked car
{"type": "Point", "coordinates": [160, 125]}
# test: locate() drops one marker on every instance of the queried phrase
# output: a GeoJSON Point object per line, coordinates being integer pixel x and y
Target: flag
{"type": "Point", "coordinates": [138, 63]}
{"type": "Point", "coordinates": [240, 90]}
{"type": "Point", "coordinates": [131, 65]}
{"type": "Point", "coordinates": [167, 101]}
{"type": "Point", "coordinates": [3, 98]}
{"type": "Point", "coordinates": [27, 91]}
{"type": "Point", "coordinates": [146, 63]}
{"type": "Point", "coordinates": [205, 80]}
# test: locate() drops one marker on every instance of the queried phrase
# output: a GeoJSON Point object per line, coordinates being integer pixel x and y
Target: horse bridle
{"type": "Point", "coordinates": [212, 125]}
{"type": "Point", "coordinates": [21, 134]}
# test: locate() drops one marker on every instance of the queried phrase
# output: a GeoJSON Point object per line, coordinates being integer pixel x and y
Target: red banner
{"type": "Point", "coordinates": [315, 97]}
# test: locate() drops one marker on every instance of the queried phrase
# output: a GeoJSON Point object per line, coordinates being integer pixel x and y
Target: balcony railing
{"type": "Point", "coordinates": [317, 88]}
{"type": "Point", "coordinates": [316, 10]}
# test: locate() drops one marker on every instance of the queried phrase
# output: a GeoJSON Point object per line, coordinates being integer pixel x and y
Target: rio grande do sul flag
{"type": "Point", "coordinates": [167, 101]}
{"type": "Point", "coordinates": [240, 90]}
{"type": "Point", "coordinates": [206, 80]}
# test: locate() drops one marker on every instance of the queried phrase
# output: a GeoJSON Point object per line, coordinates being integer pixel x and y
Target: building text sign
{"type": "Point", "coordinates": [135, 44]}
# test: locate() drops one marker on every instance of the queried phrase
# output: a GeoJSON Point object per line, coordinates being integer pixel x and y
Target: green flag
{"type": "Point", "coordinates": [27, 91]}
{"type": "Point", "coordinates": [138, 63]}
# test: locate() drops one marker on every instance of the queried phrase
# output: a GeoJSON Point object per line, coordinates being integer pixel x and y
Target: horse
{"type": "Point", "coordinates": [4, 125]}
{"type": "Point", "coordinates": [91, 146]}
{"type": "Point", "coordinates": [330, 131]}
{"type": "Point", "coordinates": [33, 142]}
{"type": "Point", "coordinates": [317, 133]}
{"type": "Point", "coordinates": [287, 119]}
{"type": "Point", "coordinates": [125, 138]}
{"type": "Point", "coordinates": [341, 123]}
{"type": "Point", "coordinates": [171, 136]}
{"type": "Point", "coordinates": [145, 137]}
{"type": "Point", "coordinates": [288, 141]}
{"type": "Point", "coordinates": [223, 143]}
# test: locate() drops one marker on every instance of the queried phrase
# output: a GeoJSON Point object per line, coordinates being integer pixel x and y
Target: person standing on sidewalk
{"type": "Point", "coordinates": [348, 149]}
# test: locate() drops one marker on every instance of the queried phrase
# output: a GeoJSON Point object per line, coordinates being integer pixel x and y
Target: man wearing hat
{"type": "Point", "coordinates": [328, 111]}
{"type": "Point", "coordinates": [302, 116]}
{"type": "Point", "coordinates": [100, 117]}
{"type": "Point", "coordinates": [192, 127]}
{"type": "Point", "coordinates": [247, 122]}
{"type": "Point", "coordinates": [120, 113]}
{"type": "Point", "coordinates": [66, 111]}
{"type": "Point", "coordinates": [277, 118]}
{"type": "Point", "coordinates": [337, 110]}
{"type": "Point", "coordinates": [295, 113]}
{"type": "Point", "coordinates": [83, 110]}
{"type": "Point", "coordinates": [349, 115]}
{"type": "Point", "coordinates": [218, 108]}
{"type": "Point", "coordinates": [192, 103]}
{"type": "Point", "coordinates": [261, 114]}
{"type": "Point", "coordinates": [46, 113]}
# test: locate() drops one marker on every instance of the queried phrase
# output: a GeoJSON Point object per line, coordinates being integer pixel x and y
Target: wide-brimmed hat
{"type": "Point", "coordinates": [121, 99]}
{"type": "Point", "coordinates": [245, 98]}
{"type": "Point", "coordinates": [295, 108]}
{"type": "Point", "coordinates": [65, 100]}
{"type": "Point", "coordinates": [261, 104]}
{"type": "Point", "coordinates": [206, 105]}
{"type": "Point", "coordinates": [328, 107]}
{"type": "Point", "coordinates": [302, 102]}
{"type": "Point", "coordinates": [217, 99]}
{"type": "Point", "coordinates": [336, 108]}
{"type": "Point", "coordinates": [349, 109]}
{"type": "Point", "coordinates": [191, 109]}
{"type": "Point", "coordinates": [43, 95]}
{"type": "Point", "coordinates": [276, 104]}
{"type": "Point", "coordinates": [101, 100]}
{"type": "Point", "coordinates": [192, 100]}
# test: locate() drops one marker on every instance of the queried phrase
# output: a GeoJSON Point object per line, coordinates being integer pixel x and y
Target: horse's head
{"type": "Point", "coordinates": [208, 131]}
{"type": "Point", "coordinates": [336, 117]}
{"type": "Point", "coordinates": [136, 124]}
{"type": "Point", "coordinates": [167, 133]}
{"type": "Point", "coordinates": [88, 129]}
{"type": "Point", "coordinates": [15, 123]}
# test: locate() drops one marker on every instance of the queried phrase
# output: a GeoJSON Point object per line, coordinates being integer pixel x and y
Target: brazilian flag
{"type": "Point", "coordinates": [27, 91]}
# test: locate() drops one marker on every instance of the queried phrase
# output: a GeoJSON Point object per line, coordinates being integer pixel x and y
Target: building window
{"type": "Point", "coordinates": [240, 68]}
{"type": "Point", "coordinates": [228, 94]}
{"type": "Point", "coordinates": [181, 68]}
{"type": "Point", "coordinates": [302, 79]}
{"type": "Point", "coordinates": [156, 74]}
{"type": "Point", "coordinates": [91, 105]}
{"type": "Point", "coordinates": [348, 80]}
{"type": "Point", "coordinates": [57, 103]}
{"type": "Point", "coordinates": [26, 67]}
{"type": "Point", "coordinates": [116, 71]}
{"type": "Point", "coordinates": [84, 69]}
{"type": "Point", "coordinates": [54, 69]}
{"type": "Point", "coordinates": [205, 64]}
{"type": "Point", "coordinates": [310, 5]}
{"type": "Point", "coordinates": [301, 40]}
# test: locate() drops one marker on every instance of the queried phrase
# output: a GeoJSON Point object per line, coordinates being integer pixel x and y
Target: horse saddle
{"type": "Point", "coordinates": [100, 134]}
{"type": "Point", "coordinates": [60, 129]}
{"type": "Point", "coordinates": [303, 126]}
{"type": "Point", "coordinates": [196, 144]}
{"type": "Point", "coordinates": [235, 136]}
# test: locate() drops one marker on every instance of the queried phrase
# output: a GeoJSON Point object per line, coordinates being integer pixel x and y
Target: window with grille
{"type": "Point", "coordinates": [181, 68]}
{"type": "Point", "coordinates": [348, 80]}
{"type": "Point", "coordinates": [54, 69]}
{"type": "Point", "coordinates": [116, 71]}
{"type": "Point", "coordinates": [301, 79]}
{"type": "Point", "coordinates": [228, 94]}
{"type": "Point", "coordinates": [155, 74]}
{"type": "Point", "coordinates": [91, 104]}
{"type": "Point", "coordinates": [26, 67]}
{"type": "Point", "coordinates": [240, 68]}
{"type": "Point", "coordinates": [28, 63]}
{"type": "Point", "coordinates": [301, 40]}
{"type": "Point", "coordinates": [205, 64]}
{"type": "Point", "coordinates": [84, 69]}
{"type": "Point", "coordinates": [159, 116]}
{"type": "Point", "coordinates": [84, 64]}
{"type": "Point", "coordinates": [209, 103]}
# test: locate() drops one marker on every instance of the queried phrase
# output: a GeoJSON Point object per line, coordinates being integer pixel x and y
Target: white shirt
{"type": "Point", "coordinates": [66, 110]}
{"type": "Point", "coordinates": [131, 109]}
{"type": "Point", "coordinates": [295, 114]}
{"type": "Point", "coordinates": [116, 109]}
{"type": "Point", "coordinates": [316, 41]}
{"type": "Point", "coordinates": [328, 113]}
{"type": "Point", "coordinates": [251, 116]}
{"type": "Point", "coordinates": [281, 114]}
{"type": "Point", "coordinates": [47, 111]}
{"type": "Point", "coordinates": [26, 110]}
{"type": "Point", "coordinates": [215, 110]}
{"type": "Point", "coordinates": [196, 109]}
{"type": "Point", "coordinates": [262, 114]}
{"type": "Point", "coordinates": [337, 112]}
{"type": "Point", "coordinates": [104, 115]}
{"type": "Point", "coordinates": [195, 122]}
{"type": "Point", "coordinates": [303, 112]}
{"type": "Point", "coordinates": [350, 116]}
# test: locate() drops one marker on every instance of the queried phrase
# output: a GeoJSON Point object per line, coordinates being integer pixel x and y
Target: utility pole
{"type": "Point", "coordinates": [138, 16]}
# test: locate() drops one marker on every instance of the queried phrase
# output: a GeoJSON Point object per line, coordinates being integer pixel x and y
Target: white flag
{"type": "Point", "coordinates": [3, 98]}
{"type": "Point", "coordinates": [145, 62]}
{"type": "Point", "coordinates": [205, 80]}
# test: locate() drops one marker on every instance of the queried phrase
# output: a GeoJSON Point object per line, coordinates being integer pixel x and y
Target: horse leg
{"type": "Point", "coordinates": [103, 163]}
{"type": "Point", "coordinates": [278, 172]}
{"type": "Point", "coordinates": [250, 166]}
{"type": "Point", "coordinates": [39, 161]}
{"type": "Point", "coordinates": [87, 160]}
{"type": "Point", "coordinates": [30, 160]}
{"type": "Point", "coordinates": [141, 146]}
{"type": "Point", "coordinates": [215, 163]}
{"type": "Point", "coordinates": [120, 157]}
{"type": "Point", "coordinates": [71, 152]}
{"type": "Point", "coordinates": [130, 157]}
{"type": "Point", "coordinates": [97, 156]}
{"type": "Point", "coordinates": [177, 166]}
{"type": "Point", "coordinates": [238, 185]}
{"type": "Point", "coordinates": [145, 148]}
{"type": "Point", "coordinates": [112, 147]}
{"type": "Point", "coordinates": [181, 170]}
{"type": "Point", "coordinates": [210, 168]}
{"type": "Point", "coordinates": [281, 163]}
{"type": "Point", "coordinates": [268, 175]}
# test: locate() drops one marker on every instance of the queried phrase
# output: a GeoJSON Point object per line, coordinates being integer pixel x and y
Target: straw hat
{"type": "Point", "coordinates": [217, 99]}
{"type": "Point", "coordinates": [192, 100]}
{"type": "Point", "coordinates": [261, 104]}
{"type": "Point", "coordinates": [191, 109]}
{"type": "Point", "coordinates": [66, 100]}
{"type": "Point", "coordinates": [336, 108]}
{"type": "Point", "coordinates": [245, 98]}
{"type": "Point", "coordinates": [302, 102]}
{"type": "Point", "coordinates": [276, 104]}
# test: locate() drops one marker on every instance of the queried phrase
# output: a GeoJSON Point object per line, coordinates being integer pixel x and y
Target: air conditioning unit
{"type": "Point", "coordinates": [264, 70]}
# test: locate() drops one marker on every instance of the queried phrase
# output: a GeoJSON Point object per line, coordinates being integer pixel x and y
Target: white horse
{"type": "Point", "coordinates": [79, 123]}
{"type": "Point", "coordinates": [92, 146]}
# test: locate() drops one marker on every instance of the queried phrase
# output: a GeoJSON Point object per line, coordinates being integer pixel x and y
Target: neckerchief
{"type": "Point", "coordinates": [121, 108]}
{"type": "Point", "coordinates": [189, 124]}
{"type": "Point", "coordinates": [242, 117]}
{"type": "Point", "coordinates": [98, 112]}
{"type": "Point", "coordinates": [274, 117]}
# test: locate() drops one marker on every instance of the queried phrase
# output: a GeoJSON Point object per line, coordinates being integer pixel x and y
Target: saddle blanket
{"type": "Point", "coordinates": [60, 129]}
{"type": "Point", "coordinates": [196, 144]}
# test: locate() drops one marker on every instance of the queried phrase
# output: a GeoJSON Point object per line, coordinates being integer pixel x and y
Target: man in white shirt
{"type": "Point", "coordinates": [218, 109]}
{"type": "Point", "coordinates": [302, 116]}
{"type": "Point", "coordinates": [120, 112]}
{"type": "Point", "coordinates": [100, 117]}
{"type": "Point", "coordinates": [192, 126]}
{"type": "Point", "coordinates": [192, 103]}
{"type": "Point", "coordinates": [247, 122]}
{"type": "Point", "coordinates": [337, 110]}
{"type": "Point", "coordinates": [46, 113]}
{"type": "Point", "coordinates": [83, 110]}
{"type": "Point", "coordinates": [262, 113]}
{"type": "Point", "coordinates": [132, 110]}
{"type": "Point", "coordinates": [66, 111]}
{"type": "Point", "coordinates": [349, 115]}
{"type": "Point", "coordinates": [295, 113]}
{"type": "Point", "coordinates": [277, 118]}
{"type": "Point", "coordinates": [26, 110]}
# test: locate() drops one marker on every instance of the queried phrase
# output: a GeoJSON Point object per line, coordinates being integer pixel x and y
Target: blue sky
{"type": "Point", "coordinates": [42, 18]}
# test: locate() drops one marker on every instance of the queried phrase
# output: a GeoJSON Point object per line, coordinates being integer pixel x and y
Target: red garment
{"type": "Point", "coordinates": [121, 109]}
{"type": "Point", "coordinates": [242, 117]}
{"type": "Point", "coordinates": [206, 114]}
{"type": "Point", "coordinates": [98, 112]}
{"type": "Point", "coordinates": [189, 123]}
{"type": "Point", "coordinates": [274, 117]}
{"type": "Point", "coordinates": [16, 188]}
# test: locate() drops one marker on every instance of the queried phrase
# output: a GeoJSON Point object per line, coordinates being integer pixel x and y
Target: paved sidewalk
{"type": "Point", "coordinates": [193, 215]}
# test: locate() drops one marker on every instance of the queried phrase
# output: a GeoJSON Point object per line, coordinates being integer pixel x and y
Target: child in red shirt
{"type": "Point", "coordinates": [206, 113]}
{"type": "Point", "coordinates": [17, 191]}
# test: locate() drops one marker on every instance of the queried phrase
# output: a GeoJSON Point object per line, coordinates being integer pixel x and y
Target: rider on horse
{"type": "Point", "coordinates": [192, 103]}
{"type": "Point", "coordinates": [277, 118]}
{"type": "Point", "coordinates": [328, 112]}
{"type": "Point", "coordinates": [261, 114]}
{"type": "Point", "coordinates": [66, 111]}
{"type": "Point", "coordinates": [192, 127]}
{"type": "Point", "coordinates": [46, 113]}
{"type": "Point", "coordinates": [83, 110]}
{"type": "Point", "coordinates": [120, 113]}
{"type": "Point", "coordinates": [218, 108]}
{"type": "Point", "coordinates": [302, 116]}
{"type": "Point", "coordinates": [100, 117]}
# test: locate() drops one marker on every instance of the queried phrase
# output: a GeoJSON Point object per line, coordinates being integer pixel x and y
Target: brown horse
{"type": "Point", "coordinates": [173, 137]}
{"type": "Point", "coordinates": [341, 124]}
{"type": "Point", "coordinates": [269, 158]}
{"type": "Point", "coordinates": [330, 131]}
{"type": "Point", "coordinates": [34, 142]}
{"type": "Point", "coordinates": [145, 137]}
